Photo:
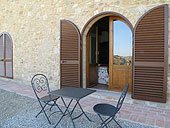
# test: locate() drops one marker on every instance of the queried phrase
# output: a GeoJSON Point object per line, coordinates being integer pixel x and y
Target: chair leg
{"type": "Point", "coordinates": [103, 124]}
{"type": "Point", "coordinates": [41, 110]}
{"type": "Point", "coordinates": [44, 111]}
{"type": "Point", "coordinates": [117, 123]}
{"type": "Point", "coordinates": [108, 121]}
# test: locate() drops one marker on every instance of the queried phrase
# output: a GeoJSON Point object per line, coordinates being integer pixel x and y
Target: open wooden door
{"type": "Point", "coordinates": [6, 56]}
{"type": "Point", "coordinates": [69, 55]}
{"type": "Point", "coordinates": [120, 54]}
{"type": "Point", "coordinates": [92, 57]}
{"type": "Point", "coordinates": [151, 55]}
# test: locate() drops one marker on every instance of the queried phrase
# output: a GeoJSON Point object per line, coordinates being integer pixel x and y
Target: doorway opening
{"type": "Point", "coordinates": [98, 49]}
{"type": "Point", "coordinates": [109, 54]}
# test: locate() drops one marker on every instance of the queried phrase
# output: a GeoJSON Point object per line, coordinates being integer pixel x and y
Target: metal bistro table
{"type": "Point", "coordinates": [72, 93]}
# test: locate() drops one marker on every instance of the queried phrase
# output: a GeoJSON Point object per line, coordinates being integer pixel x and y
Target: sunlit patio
{"type": "Point", "coordinates": [19, 107]}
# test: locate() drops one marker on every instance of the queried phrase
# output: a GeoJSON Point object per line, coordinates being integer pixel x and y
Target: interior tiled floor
{"type": "Point", "coordinates": [101, 86]}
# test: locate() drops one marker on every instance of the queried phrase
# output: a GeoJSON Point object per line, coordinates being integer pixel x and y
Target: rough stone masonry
{"type": "Point", "coordinates": [35, 29]}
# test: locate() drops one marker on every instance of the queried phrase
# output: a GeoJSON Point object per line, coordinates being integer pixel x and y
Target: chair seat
{"type": "Point", "coordinates": [105, 109]}
{"type": "Point", "coordinates": [48, 98]}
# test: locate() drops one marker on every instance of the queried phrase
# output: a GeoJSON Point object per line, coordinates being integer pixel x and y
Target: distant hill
{"type": "Point", "coordinates": [122, 60]}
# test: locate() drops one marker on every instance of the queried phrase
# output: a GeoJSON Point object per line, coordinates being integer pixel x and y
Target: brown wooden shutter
{"type": "Point", "coordinates": [151, 55]}
{"type": "Point", "coordinates": [69, 54]}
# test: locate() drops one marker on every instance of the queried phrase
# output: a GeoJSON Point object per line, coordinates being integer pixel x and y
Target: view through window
{"type": "Point", "coordinates": [122, 43]}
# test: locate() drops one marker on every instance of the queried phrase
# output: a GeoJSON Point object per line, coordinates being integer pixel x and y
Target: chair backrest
{"type": "Point", "coordinates": [40, 85]}
{"type": "Point", "coordinates": [122, 97]}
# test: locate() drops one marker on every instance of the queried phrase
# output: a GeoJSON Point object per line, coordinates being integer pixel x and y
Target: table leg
{"type": "Point", "coordinates": [67, 107]}
{"type": "Point", "coordinates": [73, 108]}
{"type": "Point", "coordinates": [81, 110]}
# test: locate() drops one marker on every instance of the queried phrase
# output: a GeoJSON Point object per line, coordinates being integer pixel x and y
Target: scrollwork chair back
{"type": "Point", "coordinates": [40, 85]}
{"type": "Point", "coordinates": [122, 97]}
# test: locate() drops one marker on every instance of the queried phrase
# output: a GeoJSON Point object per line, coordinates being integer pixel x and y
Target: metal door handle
{"type": "Point", "coordinates": [62, 61]}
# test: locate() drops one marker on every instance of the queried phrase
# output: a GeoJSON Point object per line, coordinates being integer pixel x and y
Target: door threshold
{"type": "Point", "coordinates": [109, 95]}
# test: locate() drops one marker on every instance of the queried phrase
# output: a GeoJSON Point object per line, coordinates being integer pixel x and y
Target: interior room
{"type": "Point", "coordinates": [99, 54]}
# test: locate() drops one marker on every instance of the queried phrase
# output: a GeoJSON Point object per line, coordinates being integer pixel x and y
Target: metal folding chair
{"type": "Point", "coordinates": [110, 110]}
{"type": "Point", "coordinates": [41, 89]}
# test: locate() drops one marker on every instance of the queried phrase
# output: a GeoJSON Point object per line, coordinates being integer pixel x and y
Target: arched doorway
{"type": "Point", "coordinates": [150, 52]}
{"type": "Point", "coordinates": [100, 65]}
{"type": "Point", "coordinates": [6, 55]}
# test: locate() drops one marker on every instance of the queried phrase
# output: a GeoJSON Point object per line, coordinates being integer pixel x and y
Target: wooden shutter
{"type": "Point", "coordinates": [69, 54]}
{"type": "Point", "coordinates": [151, 55]}
{"type": "Point", "coordinates": [1, 55]}
{"type": "Point", "coordinates": [8, 56]}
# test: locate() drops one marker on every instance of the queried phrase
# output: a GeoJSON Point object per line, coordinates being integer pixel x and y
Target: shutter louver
{"type": "Point", "coordinates": [150, 55]}
{"type": "Point", "coordinates": [69, 55]}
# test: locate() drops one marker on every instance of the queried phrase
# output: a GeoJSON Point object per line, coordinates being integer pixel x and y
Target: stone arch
{"type": "Point", "coordinates": [101, 9]}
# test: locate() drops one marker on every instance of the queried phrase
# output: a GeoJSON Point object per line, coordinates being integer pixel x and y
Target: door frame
{"type": "Point", "coordinates": [85, 31]}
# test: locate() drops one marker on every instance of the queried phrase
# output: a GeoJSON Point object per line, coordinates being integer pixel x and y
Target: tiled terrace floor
{"type": "Point", "coordinates": [140, 113]}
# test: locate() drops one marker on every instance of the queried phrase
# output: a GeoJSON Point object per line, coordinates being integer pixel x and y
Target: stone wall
{"type": "Point", "coordinates": [35, 29]}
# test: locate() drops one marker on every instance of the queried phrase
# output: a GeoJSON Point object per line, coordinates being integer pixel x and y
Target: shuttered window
{"type": "Point", "coordinates": [69, 54]}
{"type": "Point", "coordinates": [151, 55]}
{"type": "Point", "coordinates": [6, 56]}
